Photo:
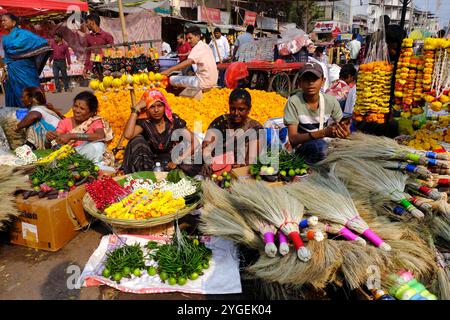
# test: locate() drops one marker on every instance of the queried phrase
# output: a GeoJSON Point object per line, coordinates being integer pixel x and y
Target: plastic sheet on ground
{"type": "Point", "coordinates": [222, 276]}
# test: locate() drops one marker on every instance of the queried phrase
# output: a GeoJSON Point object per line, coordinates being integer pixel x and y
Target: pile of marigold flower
{"type": "Point", "coordinates": [432, 134]}
{"type": "Point", "coordinates": [373, 88]}
{"type": "Point", "coordinates": [115, 108]}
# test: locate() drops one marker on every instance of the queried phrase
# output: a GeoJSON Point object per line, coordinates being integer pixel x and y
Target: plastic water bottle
{"type": "Point", "coordinates": [157, 167]}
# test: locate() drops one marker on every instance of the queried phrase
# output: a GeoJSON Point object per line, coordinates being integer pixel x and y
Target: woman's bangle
{"type": "Point", "coordinates": [82, 136]}
{"type": "Point", "coordinates": [133, 110]}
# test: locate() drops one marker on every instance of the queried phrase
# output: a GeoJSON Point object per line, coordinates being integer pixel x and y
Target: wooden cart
{"type": "Point", "coordinates": [264, 75]}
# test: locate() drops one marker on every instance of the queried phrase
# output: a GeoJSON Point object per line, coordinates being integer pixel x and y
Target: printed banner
{"type": "Point", "coordinates": [250, 18]}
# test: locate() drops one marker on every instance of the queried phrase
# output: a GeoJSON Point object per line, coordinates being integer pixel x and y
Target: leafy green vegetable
{"type": "Point", "coordinates": [127, 257]}
{"type": "Point", "coordinates": [139, 175]}
{"type": "Point", "coordinates": [182, 257]}
{"type": "Point", "coordinates": [175, 175]}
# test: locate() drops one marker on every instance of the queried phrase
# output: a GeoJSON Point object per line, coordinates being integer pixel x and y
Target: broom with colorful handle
{"type": "Point", "coordinates": [430, 193]}
{"type": "Point", "coordinates": [368, 178]}
{"type": "Point", "coordinates": [276, 207]}
{"type": "Point", "coordinates": [336, 229]}
{"type": "Point", "coordinates": [283, 248]}
{"type": "Point", "coordinates": [330, 200]}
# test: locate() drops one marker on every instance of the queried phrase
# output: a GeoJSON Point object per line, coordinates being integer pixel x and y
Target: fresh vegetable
{"type": "Point", "coordinates": [180, 259]}
{"type": "Point", "coordinates": [288, 165]}
{"type": "Point", "coordinates": [122, 261]}
{"type": "Point", "coordinates": [151, 271]}
{"type": "Point", "coordinates": [61, 174]}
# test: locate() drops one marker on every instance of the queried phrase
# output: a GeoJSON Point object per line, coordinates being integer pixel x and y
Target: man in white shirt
{"type": "Point", "coordinates": [243, 39]}
{"type": "Point", "coordinates": [222, 44]}
{"type": "Point", "coordinates": [202, 56]}
{"type": "Point", "coordinates": [354, 47]}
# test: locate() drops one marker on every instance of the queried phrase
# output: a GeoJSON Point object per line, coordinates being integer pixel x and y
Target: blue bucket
{"type": "Point", "coordinates": [21, 113]}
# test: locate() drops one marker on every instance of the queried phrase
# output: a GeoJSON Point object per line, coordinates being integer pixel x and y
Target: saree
{"type": "Point", "coordinates": [25, 57]}
{"type": "Point", "coordinates": [144, 150]}
{"type": "Point", "coordinates": [36, 133]}
{"type": "Point", "coordinates": [96, 151]}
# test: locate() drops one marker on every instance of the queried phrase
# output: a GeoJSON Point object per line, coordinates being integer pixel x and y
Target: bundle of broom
{"type": "Point", "coordinates": [443, 276]}
{"type": "Point", "coordinates": [330, 200]}
{"type": "Point", "coordinates": [15, 139]}
{"type": "Point", "coordinates": [10, 181]}
{"type": "Point", "coordinates": [364, 146]}
{"type": "Point", "coordinates": [372, 180]}
{"type": "Point", "coordinates": [274, 206]}
{"type": "Point", "coordinates": [219, 218]}
{"type": "Point", "coordinates": [421, 189]}
{"type": "Point", "coordinates": [409, 168]}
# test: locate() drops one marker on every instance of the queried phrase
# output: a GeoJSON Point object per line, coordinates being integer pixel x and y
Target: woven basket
{"type": "Point", "coordinates": [89, 206]}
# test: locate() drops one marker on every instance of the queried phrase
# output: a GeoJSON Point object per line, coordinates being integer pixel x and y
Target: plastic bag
{"type": "Point", "coordinates": [333, 72]}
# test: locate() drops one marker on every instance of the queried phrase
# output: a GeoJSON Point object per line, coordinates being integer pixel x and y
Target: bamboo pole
{"type": "Point", "coordinates": [132, 93]}
{"type": "Point", "coordinates": [209, 26]}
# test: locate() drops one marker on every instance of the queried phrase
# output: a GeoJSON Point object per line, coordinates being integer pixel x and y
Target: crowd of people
{"type": "Point", "coordinates": [313, 114]}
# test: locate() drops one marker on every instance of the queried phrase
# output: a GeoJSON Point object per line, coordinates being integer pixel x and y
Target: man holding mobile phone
{"type": "Point", "coordinates": [308, 115]}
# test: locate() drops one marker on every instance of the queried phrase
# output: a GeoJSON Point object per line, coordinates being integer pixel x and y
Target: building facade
{"type": "Point", "coordinates": [374, 9]}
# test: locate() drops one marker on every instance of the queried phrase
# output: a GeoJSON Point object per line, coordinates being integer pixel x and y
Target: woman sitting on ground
{"type": "Point", "coordinates": [41, 118]}
{"type": "Point", "coordinates": [239, 148]}
{"type": "Point", "coordinates": [150, 129]}
{"type": "Point", "coordinates": [85, 131]}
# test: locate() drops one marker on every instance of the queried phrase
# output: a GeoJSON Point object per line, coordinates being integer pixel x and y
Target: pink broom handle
{"type": "Point", "coordinates": [269, 237]}
{"type": "Point", "coordinates": [348, 234]}
{"type": "Point", "coordinates": [282, 238]}
{"type": "Point", "coordinates": [373, 237]}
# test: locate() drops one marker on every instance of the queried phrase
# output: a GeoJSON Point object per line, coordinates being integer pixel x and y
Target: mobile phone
{"type": "Point", "coordinates": [346, 118]}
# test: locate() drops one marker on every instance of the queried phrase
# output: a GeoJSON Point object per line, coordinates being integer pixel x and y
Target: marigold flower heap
{"type": "Point", "coordinates": [432, 134]}
{"type": "Point", "coordinates": [115, 107]}
{"type": "Point", "coordinates": [373, 88]}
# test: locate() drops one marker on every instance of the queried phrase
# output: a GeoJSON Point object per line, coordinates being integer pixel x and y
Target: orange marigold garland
{"type": "Point", "coordinates": [373, 91]}
{"type": "Point", "coordinates": [408, 81]}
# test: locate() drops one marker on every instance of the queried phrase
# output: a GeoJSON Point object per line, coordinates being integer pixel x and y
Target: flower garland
{"type": "Point", "coordinates": [373, 88]}
{"type": "Point", "coordinates": [437, 73]}
{"type": "Point", "coordinates": [408, 81]}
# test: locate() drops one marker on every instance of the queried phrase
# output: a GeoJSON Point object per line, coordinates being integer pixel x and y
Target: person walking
{"type": "Point", "coordinates": [60, 62]}
{"type": "Point", "coordinates": [242, 39]}
{"type": "Point", "coordinates": [224, 52]}
{"type": "Point", "coordinates": [354, 47]}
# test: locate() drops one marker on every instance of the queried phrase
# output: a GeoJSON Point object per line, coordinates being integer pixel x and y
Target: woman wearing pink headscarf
{"type": "Point", "coordinates": [150, 129]}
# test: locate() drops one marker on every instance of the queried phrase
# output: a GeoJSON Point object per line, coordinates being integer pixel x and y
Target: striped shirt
{"type": "Point", "coordinates": [297, 112]}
